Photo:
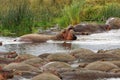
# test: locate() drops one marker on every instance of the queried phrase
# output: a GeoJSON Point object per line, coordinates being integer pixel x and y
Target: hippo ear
{"type": "Point", "coordinates": [70, 27]}
{"type": "Point", "coordinates": [63, 31]}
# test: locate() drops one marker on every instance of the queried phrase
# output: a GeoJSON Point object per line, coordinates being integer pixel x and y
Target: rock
{"type": "Point", "coordinates": [101, 66]}
{"type": "Point", "coordinates": [46, 76]}
{"type": "Point", "coordinates": [64, 57]}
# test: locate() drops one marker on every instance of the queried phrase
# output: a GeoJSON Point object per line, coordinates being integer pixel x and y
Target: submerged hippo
{"type": "Point", "coordinates": [85, 29]}
{"type": "Point", "coordinates": [67, 34]}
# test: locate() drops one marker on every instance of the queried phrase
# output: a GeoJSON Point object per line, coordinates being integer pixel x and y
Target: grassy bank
{"type": "Point", "coordinates": [18, 17]}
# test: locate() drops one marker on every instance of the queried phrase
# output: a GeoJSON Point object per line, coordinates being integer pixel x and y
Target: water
{"type": "Point", "coordinates": [106, 40]}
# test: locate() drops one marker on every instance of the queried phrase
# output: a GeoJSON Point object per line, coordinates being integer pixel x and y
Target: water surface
{"type": "Point", "coordinates": [106, 40]}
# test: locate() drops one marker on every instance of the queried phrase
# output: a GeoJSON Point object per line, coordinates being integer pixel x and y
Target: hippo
{"type": "Point", "coordinates": [86, 29]}
{"type": "Point", "coordinates": [66, 34]}
{"type": "Point", "coordinates": [113, 22]}
{"type": "Point", "coordinates": [101, 66]}
{"type": "Point", "coordinates": [46, 76]}
{"type": "Point", "coordinates": [79, 74]}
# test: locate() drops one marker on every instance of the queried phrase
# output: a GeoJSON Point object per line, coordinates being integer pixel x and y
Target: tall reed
{"type": "Point", "coordinates": [71, 14]}
{"type": "Point", "coordinates": [18, 19]}
{"type": "Point", "coordinates": [111, 10]}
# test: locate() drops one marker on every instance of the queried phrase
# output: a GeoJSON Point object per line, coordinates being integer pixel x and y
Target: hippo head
{"type": "Point", "coordinates": [68, 34]}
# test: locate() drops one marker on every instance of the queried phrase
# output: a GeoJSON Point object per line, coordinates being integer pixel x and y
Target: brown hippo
{"type": "Point", "coordinates": [63, 57]}
{"type": "Point", "coordinates": [86, 75]}
{"type": "Point", "coordinates": [66, 34]}
{"type": "Point", "coordinates": [46, 76]}
{"type": "Point", "coordinates": [113, 22]}
{"type": "Point", "coordinates": [101, 66]}
{"type": "Point", "coordinates": [85, 28]}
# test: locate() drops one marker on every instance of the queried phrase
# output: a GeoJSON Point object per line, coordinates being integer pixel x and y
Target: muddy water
{"type": "Point", "coordinates": [106, 40]}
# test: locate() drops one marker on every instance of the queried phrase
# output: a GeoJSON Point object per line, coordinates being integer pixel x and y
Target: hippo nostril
{"type": "Point", "coordinates": [74, 37]}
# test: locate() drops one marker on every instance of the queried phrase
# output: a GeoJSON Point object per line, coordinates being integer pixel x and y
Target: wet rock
{"type": "Point", "coordinates": [101, 66]}
{"type": "Point", "coordinates": [61, 57]}
{"type": "Point", "coordinates": [113, 22]}
{"type": "Point", "coordinates": [46, 76]}
{"type": "Point", "coordinates": [36, 62]}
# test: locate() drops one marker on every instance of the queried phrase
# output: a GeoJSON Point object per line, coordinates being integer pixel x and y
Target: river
{"type": "Point", "coordinates": [95, 42]}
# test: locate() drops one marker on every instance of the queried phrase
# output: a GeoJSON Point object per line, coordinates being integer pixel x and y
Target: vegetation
{"type": "Point", "coordinates": [18, 17]}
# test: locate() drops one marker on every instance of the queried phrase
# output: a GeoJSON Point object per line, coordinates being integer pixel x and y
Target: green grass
{"type": "Point", "coordinates": [18, 17]}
